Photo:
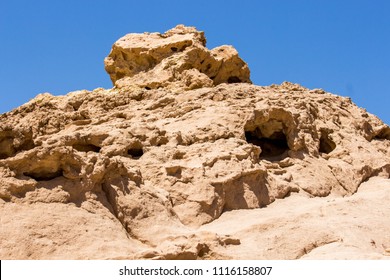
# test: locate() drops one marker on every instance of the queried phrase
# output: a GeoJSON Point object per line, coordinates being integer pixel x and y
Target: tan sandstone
{"type": "Point", "coordinates": [185, 159]}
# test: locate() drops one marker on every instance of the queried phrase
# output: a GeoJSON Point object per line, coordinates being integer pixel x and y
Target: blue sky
{"type": "Point", "coordinates": [340, 46]}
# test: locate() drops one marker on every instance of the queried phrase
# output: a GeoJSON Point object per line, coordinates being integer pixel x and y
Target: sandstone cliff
{"type": "Point", "coordinates": [185, 159]}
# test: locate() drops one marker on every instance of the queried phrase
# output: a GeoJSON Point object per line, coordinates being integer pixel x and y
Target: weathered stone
{"type": "Point", "coordinates": [176, 163]}
{"type": "Point", "coordinates": [177, 59]}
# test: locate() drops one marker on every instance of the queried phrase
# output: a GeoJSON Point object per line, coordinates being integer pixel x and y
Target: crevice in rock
{"type": "Point", "coordinates": [86, 148]}
{"type": "Point", "coordinates": [110, 200]}
{"type": "Point", "coordinates": [110, 196]}
{"type": "Point", "coordinates": [307, 249]}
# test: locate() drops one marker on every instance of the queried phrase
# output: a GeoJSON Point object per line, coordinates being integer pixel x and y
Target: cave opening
{"type": "Point", "coordinates": [234, 79]}
{"type": "Point", "coordinates": [43, 175]}
{"type": "Point", "coordinates": [272, 141]}
{"type": "Point", "coordinates": [326, 144]}
{"type": "Point", "coordinates": [135, 152]}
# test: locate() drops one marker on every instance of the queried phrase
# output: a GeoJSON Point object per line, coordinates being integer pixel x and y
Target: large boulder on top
{"type": "Point", "coordinates": [176, 59]}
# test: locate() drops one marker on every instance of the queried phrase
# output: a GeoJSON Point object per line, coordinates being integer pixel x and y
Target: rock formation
{"type": "Point", "coordinates": [176, 60]}
{"type": "Point", "coordinates": [185, 159]}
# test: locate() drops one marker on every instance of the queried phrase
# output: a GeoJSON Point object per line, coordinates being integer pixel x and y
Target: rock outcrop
{"type": "Point", "coordinates": [175, 60]}
{"type": "Point", "coordinates": [169, 162]}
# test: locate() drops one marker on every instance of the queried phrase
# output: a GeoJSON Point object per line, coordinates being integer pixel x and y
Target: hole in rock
{"type": "Point", "coordinates": [326, 144]}
{"type": "Point", "coordinates": [43, 175]}
{"type": "Point", "coordinates": [174, 49]}
{"type": "Point", "coordinates": [234, 79]}
{"type": "Point", "coordinates": [135, 152]}
{"type": "Point", "coordinates": [271, 139]}
{"type": "Point", "coordinates": [147, 88]}
{"type": "Point", "coordinates": [86, 148]}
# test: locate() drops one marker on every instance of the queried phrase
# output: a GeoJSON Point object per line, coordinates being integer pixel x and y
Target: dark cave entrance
{"type": "Point", "coordinates": [44, 175]}
{"type": "Point", "coordinates": [135, 151]}
{"type": "Point", "coordinates": [233, 80]}
{"type": "Point", "coordinates": [326, 144]}
{"type": "Point", "coordinates": [271, 139]}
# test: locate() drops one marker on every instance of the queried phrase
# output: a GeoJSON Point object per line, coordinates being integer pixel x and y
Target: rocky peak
{"type": "Point", "coordinates": [181, 160]}
{"type": "Point", "coordinates": [177, 59]}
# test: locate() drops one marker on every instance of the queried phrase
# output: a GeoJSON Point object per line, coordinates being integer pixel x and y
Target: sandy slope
{"type": "Point", "coordinates": [353, 227]}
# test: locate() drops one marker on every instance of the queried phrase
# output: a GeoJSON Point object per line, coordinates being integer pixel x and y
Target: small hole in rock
{"type": "Point", "coordinates": [174, 49]}
{"type": "Point", "coordinates": [147, 88]}
{"type": "Point", "coordinates": [86, 148]}
{"type": "Point", "coordinates": [326, 144]}
{"type": "Point", "coordinates": [44, 175]}
{"type": "Point", "coordinates": [135, 153]}
{"type": "Point", "coordinates": [234, 79]}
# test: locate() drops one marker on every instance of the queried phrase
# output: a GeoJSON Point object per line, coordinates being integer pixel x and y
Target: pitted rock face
{"type": "Point", "coordinates": [221, 171]}
{"type": "Point", "coordinates": [177, 59]}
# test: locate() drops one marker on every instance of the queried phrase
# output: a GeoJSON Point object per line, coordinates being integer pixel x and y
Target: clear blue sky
{"type": "Point", "coordinates": [340, 46]}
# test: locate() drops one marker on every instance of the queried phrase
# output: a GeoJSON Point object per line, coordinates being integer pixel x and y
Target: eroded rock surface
{"type": "Point", "coordinates": [159, 167]}
{"type": "Point", "coordinates": [176, 60]}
